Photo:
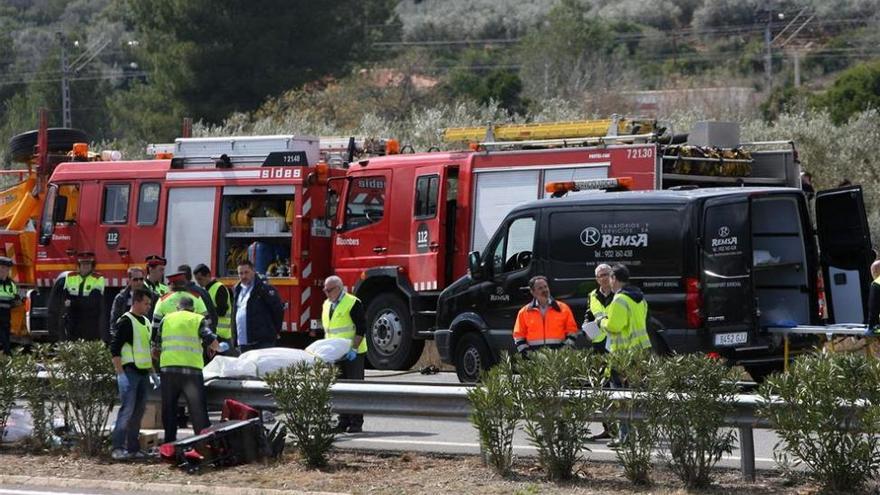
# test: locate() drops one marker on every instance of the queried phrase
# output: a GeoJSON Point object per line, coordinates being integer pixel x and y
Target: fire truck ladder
{"type": "Point", "coordinates": [555, 133]}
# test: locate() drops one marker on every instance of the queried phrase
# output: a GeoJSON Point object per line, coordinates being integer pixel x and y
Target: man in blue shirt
{"type": "Point", "coordinates": [257, 311]}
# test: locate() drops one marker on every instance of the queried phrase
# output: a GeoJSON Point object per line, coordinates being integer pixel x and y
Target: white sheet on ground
{"type": "Point", "coordinates": [275, 358]}
{"type": "Point", "coordinates": [329, 350]}
{"type": "Point", "coordinates": [229, 367]}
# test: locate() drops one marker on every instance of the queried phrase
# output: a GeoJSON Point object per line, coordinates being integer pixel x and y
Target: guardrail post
{"type": "Point", "coordinates": [747, 452]}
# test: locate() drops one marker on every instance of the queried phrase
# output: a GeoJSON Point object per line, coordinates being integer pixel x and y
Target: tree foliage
{"type": "Point", "coordinates": [857, 89]}
{"type": "Point", "coordinates": [232, 59]}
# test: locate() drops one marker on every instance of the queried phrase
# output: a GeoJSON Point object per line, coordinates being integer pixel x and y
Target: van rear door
{"type": "Point", "coordinates": [726, 252]}
{"type": "Point", "coordinates": [845, 252]}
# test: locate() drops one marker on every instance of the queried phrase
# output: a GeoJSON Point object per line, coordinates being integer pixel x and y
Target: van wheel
{"type": "Point", "coordinates": [472, 358]}
{"type": "Point", "coordinates": [391, 345]}
{"type": "Point", "coordinates": [760, 372]}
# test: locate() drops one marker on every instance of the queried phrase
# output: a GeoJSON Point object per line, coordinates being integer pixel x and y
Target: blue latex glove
{"type": "Point", "coordinates": [352, 355]}
{"type": "Point", "coordinates": [223, 347]}
{"type": "Point", "coordinates": [122, 381]}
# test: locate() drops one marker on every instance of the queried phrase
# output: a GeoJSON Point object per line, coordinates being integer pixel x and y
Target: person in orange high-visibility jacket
{"type": "Point", "coordinates": [544, 322]}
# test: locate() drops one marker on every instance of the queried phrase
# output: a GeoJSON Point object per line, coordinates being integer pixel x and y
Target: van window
{"type": "Point", "coordinates": [427, 188]}
{"type": "Point", "coordinates": [148, 203]}
{"type": "Point", "coordinates": [647, 241]}
{"type": "Point", "coordinates": [366, 202]}
{"type": "Point", "coordinates": [115, 207]}
{"type": "Point", "coordinates": [514, 250]}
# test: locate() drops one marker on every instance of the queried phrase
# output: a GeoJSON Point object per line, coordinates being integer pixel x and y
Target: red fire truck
{"type": "Point", "coordinates": [217, 201]}
{"type": "Point", "coordinates": [404, 224]}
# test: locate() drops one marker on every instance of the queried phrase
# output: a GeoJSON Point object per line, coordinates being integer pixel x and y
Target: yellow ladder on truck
{"type": "Point", "coordinates": [615, 126]}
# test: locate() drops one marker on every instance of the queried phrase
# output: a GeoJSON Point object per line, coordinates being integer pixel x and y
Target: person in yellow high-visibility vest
{"type": "Point", "coordinates": [221, 298]}
{"type": "Point", "coordinates": [598, 301]}
{"type": "Point", "coordinates": [627, 326]}
{"type": "Point", "coordinates": [130, 351]}
{"type": "Point", "coordinates": [9, 298]}
{"type": "Point", "coordinates": [180, 340]}
{"type": "Point", "coordinates": [343, 318]}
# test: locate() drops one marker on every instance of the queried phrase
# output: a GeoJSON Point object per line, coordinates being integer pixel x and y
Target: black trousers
{"type": "Point", "coordinates": [192, 386]}
{"type": "Point", "coordinates": [352, 370]}
{"type": "Point", "coordinates": [5, 339]}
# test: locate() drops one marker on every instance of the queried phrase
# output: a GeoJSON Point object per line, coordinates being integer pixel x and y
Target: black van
{"type": "Point", "coordinates": [718, 266]}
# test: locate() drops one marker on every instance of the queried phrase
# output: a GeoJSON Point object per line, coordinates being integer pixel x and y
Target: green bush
{"type": "Point", "coordinates": [38, 395]}
{"type": "Point", "coordinates": [302, 393]}
{"type": "Point", "coordinates": [826, 411]}
{"type": "Point", "coordinates": [557, 405]}
{"type": "Point", "coordinates": [82, 378]}
{"type": "Point", "coordinates": [636, 449]}
{"type": "Point", "coordinates": [691, 395]}
{"type": "Point", "coordinates": [496, 414]}
{"type": "Point", "coordinates": [9, 385]}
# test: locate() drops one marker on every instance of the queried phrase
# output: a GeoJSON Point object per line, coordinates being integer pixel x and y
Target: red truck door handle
{"type": "Point", "coordinates": [379, 249]}
{"type": "Point", "coordinates": [434, 246]}
{"type": "Point", "coordinates": [70, 251]}
{"type": "Point", "coordinates": [122, 251]}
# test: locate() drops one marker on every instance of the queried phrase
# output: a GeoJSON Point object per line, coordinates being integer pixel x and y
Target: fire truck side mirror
{"type": "Point", "coordinates": [474, 266]}
{"type": "Point", "coordinates": [331, 206]}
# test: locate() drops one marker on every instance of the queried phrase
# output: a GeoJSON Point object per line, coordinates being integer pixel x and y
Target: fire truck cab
{"type": "Point", "coordinates": [217, 201]}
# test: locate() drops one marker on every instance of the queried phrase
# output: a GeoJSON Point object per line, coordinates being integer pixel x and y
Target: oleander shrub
{"type": "Point", "coordinates": [636, 448]}
{"type": "Point", "coordinates": [302, 394]}
{"type": "Point", "coordinates": [9, 385]}
{"type": "Point", "coordinates": [559, 394]}
{"type": "Point", "coordinates": [690, 395]}
{"type": "Point", "coordinates": [82, 379]}
{"type": "Point", "coordinates": [826, 411]}
{"type": "Point", "coordinates": [37, 393]}
{"type": "Point", "coordinates": [496, 414]}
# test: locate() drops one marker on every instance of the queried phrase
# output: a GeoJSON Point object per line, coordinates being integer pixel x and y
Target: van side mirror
{"type": "Point", "coordinates": [474, 266]}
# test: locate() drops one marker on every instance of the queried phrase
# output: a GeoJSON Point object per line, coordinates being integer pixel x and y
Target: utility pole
{"type": "Point", "coordinates": [65, 83]}
{"type": "Point", "coordinates": [797, 67]}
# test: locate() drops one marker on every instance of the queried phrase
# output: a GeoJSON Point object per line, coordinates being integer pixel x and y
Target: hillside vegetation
{"type": "Point", "coordinates": [408, 68]}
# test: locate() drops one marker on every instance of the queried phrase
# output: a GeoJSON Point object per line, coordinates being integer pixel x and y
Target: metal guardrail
{"type": "Point", "coordinates": [450, 401]}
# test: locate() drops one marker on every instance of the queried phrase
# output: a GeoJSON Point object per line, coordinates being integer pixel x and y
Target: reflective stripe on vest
{"type": "Point", "coordinates": [181, 343]}
{"type": "Point", "coordinates": [598, 309]}
{"type": "Point", "coordinates": [341, 326]}
{"type": "Point", "coordinates": [73, 282]}
{"type": "Point", "coordinates": [139, 353]}
{"type": "Point", "coordinates": [8, 293]}
{"type": "Point", "coordinates": [634, 335]}
{"type": "Point", "coordinates": [224, 323]}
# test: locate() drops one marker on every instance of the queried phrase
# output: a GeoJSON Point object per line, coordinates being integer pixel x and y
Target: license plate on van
{"type": "Point", "coordinates": [725, 339]}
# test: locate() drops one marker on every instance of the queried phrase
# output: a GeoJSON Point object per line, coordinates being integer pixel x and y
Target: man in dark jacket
{"type": "Point", "coordinates": [122, 301]}
{"type": "Point", "coordinates": [257, 311]}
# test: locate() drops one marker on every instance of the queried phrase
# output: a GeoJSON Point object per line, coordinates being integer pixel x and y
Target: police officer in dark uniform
{"type": "Point", "coordinates": [156, 274]}
{"type": "Point", "coordinates": [9, 298]}
{"type": "Point", "coordinates": [83, 294]}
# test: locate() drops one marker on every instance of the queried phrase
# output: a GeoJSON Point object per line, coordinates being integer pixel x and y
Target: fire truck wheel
{"type": "Point", "coordinates": [60, 140]}
{"type": "Point", "coordinates": [472, 357]}
{"type": "Point", "coordinates": [390, 332]}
